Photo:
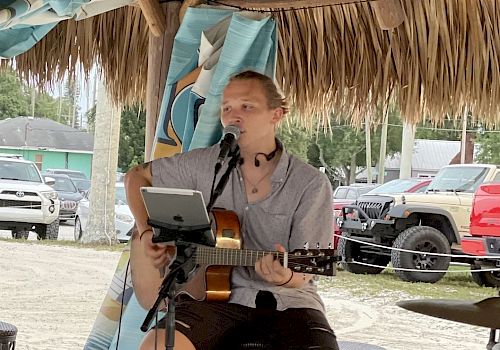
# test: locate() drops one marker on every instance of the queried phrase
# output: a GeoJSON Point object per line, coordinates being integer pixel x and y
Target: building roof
{"type": "Point", "coordinates": [427, 155]}
{"type": "Point", "coordinates": [43, 133]}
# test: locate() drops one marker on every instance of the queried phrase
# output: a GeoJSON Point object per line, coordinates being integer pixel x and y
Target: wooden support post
{"type": "Point", "coordinates": [389, 13]}
{"type": "Point", "coordinates": [160, 50]}
{"type": "Point", "coordinates": [287, 4]}
{"type": "Point", "coordinates": [154, 15]}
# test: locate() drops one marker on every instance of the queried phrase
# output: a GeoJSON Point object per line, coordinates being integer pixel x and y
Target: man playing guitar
{"type": "Point", "coordinates": [281, 202]}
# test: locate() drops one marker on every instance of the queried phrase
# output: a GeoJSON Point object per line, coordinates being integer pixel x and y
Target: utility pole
{"type": "Point", "coordinates": [368, 149]}
{"type": "Point", "coordinates": [75, 97]}
{"type": "Point", "coordinates": [33, 96]}
{"type": "Point", "coordinates": [59, 109]}
{"type": "Point", "coordinates": [463, 141]}
{"type": "Point", "coordinates": [383, 147]}
{"type": "Point", "coordinates": [407, 150]}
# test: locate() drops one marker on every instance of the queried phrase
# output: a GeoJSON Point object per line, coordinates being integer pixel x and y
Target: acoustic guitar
{"type": "Point", "coordinates": [211, 281]}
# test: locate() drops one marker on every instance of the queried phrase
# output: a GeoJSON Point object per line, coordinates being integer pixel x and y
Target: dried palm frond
{"type": "Point", "coordinates": [116, 40]}
{"type": "Point", "coordinates": [443, 59]}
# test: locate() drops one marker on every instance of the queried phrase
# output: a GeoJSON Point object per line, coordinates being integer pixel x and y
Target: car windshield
{"type": "Point", "coordinates": [120, 196]}
{"type": "Point", "coordinates": [19, 171]}
{"type": "Point", "coordinates": [70, 173]}
{"type": "Point", "coordinates": [340, 193]}
{"type": "Point", "coordinates": [82, 184]}
{"type": "Point", "coordinates": [364, 190]}
{"type": "Point", "coordinates": [395, 186]}
{"type": "Point", "coordinates": [64, 185]}
{"type": "Point", "coordinates": [458, 179]}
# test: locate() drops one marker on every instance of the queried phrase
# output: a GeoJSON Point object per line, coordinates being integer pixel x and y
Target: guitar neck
{"type": "Point", "coordinates": [234, 257]}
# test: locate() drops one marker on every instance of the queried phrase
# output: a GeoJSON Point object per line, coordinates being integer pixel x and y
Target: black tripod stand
{"type": "Point", "coordinates": [186, 239]}
{"type": "Point", "coordinates": [180, 270]}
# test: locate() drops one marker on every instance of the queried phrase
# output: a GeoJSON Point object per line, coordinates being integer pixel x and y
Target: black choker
{"type": "Point", "coordinates": [268, 156]}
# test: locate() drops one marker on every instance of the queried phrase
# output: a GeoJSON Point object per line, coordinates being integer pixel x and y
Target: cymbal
{"type": "Point", "coordinates": [485, 313]}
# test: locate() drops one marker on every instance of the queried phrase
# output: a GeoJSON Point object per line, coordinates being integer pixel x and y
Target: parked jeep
{"type": "Point", "coordinates": [26, 202]}
{"type": "Point", "coordinates": [430, 222]}
{"type": "Point", "coordinates": [484, 239]}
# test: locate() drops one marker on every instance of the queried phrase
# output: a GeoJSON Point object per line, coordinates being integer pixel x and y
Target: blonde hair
{"type": "Point", "coordinates": [274, 98]}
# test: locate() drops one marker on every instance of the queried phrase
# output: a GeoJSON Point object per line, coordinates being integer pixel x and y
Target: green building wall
{"type": "Point", "coordinates": [55, 159]}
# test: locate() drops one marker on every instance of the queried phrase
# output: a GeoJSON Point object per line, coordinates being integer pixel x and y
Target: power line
{"type": "Point", "coordinates": [421, 128]}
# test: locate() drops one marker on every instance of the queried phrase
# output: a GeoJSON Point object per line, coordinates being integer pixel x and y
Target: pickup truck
{"type": "Point", "coordinates": [484, 239]}
{"type": "Point", "coordinates": [430, 222]}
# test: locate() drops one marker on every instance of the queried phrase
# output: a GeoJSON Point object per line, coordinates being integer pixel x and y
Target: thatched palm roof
{"type": "Point", "coordinates": [443, 58]}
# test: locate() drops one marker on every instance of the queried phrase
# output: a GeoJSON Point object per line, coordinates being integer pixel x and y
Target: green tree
{"type": "Point", "coordinates": [16, 99]}
{"type": "Point", "coordinates": [71, 109]}
{"type": "Point", "coordinates": [13, 101]}
{"type": "Point", "coordinates": [132, 133]}
{"type": "Point", "coordinates": [90, 114]}
{"type": "Point", "coordinates": [450, 130]}
{"type": "Point", "coordinates": [489, 147]}
{"type": "Point", "coordinates": [295, 137]}
{"type": "Point", "coordinates": [57, 109]}
{"type": "Point", "coordinates": [341, 150]}
{"type": "Point", "coordinates": [46, 107]}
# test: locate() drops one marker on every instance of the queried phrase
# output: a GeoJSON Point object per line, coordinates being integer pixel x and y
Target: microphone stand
{"type": "Point", "coordinates": [183, 267]}
{"type": "Point", "coordinates": [235, 159]}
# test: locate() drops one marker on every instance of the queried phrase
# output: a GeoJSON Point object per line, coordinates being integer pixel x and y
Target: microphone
{"type": "Point", "coordinates": [230, 136]}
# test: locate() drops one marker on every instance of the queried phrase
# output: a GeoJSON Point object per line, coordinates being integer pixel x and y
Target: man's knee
{"type": "Point", "coordinates": [154, 335]}
{"type": "Point", "coordinates": [155, 339]}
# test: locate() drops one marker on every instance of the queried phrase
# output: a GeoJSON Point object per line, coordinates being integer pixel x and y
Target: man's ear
{"type": "Point", "coordinates": [277, 115]}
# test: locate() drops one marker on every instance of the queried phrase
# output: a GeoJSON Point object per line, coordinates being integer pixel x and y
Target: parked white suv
{"type": "Point", "coordinates": [26, 202]}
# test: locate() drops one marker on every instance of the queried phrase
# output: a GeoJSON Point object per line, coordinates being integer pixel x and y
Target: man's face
{"type": "Point", "coordinates": [245, 105]}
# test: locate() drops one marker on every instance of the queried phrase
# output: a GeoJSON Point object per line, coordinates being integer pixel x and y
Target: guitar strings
{"type": "Point", "coordinates": [214, 253]}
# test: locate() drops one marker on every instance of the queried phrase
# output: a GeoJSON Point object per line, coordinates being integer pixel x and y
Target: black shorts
{"type": "Point", "coordinates": [228, 326]}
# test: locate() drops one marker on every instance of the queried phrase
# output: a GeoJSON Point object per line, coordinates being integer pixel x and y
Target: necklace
{"type": "Point", "coordinates": [254, 185]}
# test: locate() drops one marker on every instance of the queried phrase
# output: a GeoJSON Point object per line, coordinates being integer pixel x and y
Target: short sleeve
{"type": "Point", "coordinates": [313, 219]}
{"type": "Point", "coordinates": [176, 171]}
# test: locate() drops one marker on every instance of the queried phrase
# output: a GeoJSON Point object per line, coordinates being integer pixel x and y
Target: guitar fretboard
{"type": "Point", "coordinates": [231, 257]}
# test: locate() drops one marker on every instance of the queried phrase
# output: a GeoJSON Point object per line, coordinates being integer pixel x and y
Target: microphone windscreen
{"type": "Point", "coordinates": [231, 129]}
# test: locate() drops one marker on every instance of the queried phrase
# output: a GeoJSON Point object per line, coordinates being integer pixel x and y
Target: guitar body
{"type": "Point", "coordinates": [213, 283]}
{"type": "Point", "coordinates": [210, 279]}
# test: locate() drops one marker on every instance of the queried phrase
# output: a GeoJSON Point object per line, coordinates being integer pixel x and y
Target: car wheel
{"type": "Point", "coordinates": [78, 230]}
{"type": "Point", "coordinates": [424, 239]}
{"type": "Point", "coordinates": [50, 231]}
{"type": "Point", "coordinates": [351, 253]}
{"type": "Point", "coordinates": [19, 234]}
{"type": "Point", "coordinates": [487, 278]}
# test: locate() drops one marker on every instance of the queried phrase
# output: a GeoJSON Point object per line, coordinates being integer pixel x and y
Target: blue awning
{"type": "Point", "coordinates": [25, 22]}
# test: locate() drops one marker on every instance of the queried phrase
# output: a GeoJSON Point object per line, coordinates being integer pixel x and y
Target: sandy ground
{"type": "Point", "coordinates": [52, 294]}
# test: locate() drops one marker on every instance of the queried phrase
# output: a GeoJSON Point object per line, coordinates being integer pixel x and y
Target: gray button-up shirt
{"type": "Point", "coordinates": [297, 212]}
